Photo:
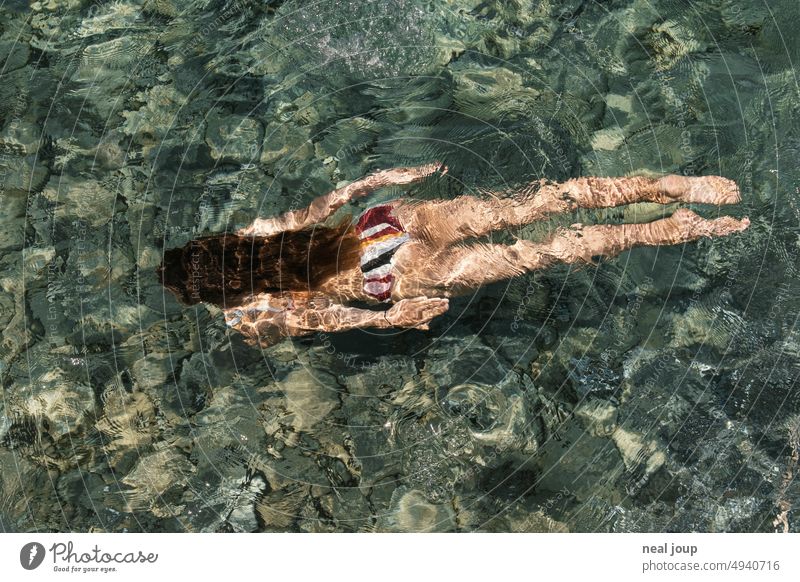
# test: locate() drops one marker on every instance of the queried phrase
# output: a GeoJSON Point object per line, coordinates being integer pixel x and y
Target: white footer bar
{"type": "Point", "coordinates": [387, 557]}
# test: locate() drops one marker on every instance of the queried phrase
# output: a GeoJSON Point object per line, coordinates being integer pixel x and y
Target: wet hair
{"type": "Point", "coordinates": [225, 269]}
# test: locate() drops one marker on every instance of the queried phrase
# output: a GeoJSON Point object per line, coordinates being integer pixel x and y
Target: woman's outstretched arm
{"type": "Point", "coordinates": [323, 206]}
{"type": "Point", "coordinates": [268, 326]}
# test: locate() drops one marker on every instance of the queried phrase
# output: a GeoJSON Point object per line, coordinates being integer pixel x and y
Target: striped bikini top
{"type": "Point", "coordinates": [381, 234]}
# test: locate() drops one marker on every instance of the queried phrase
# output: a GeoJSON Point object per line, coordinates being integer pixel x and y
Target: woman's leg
{"type": "Point", "coordinates": [460, 269]}
{"type": "Point", "coordinates": [443, 222]}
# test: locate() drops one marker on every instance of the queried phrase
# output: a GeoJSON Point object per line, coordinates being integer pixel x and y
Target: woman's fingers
{"type": "Point", "coordinates": [417, 312]}
{"type": "Point", "coordinates": [438, 306]}
{"type": "Point", "coordinates": [430, 169]}
{"type": "Point", "coordinates": [430, 309]}
{"type": "Point", "coordinates": [261, 227]}
{"type": "Point", "coordinates": [427, 308]}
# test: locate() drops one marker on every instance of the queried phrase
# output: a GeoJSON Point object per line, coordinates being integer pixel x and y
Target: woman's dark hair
{"type": "Point", "coordinates": [224, 269]}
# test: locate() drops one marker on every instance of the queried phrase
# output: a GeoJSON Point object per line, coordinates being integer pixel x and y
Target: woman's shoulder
{"type": "Point", "coordinates": [272, 306]}
{"type": "Point", "coordinates": [258, 306]}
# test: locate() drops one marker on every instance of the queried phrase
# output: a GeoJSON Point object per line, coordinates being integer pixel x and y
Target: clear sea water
{"type": "Point", "coordinates": [656, 391]}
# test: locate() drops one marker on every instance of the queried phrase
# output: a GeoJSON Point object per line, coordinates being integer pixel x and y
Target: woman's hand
{"type": "Point", "coordinates": [401, 176]}
{"type": "Point", "coordinates": [416, 312]}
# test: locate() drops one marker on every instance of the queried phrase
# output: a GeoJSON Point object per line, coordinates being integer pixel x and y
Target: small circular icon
{"type": "Point", "coordinates": [31, 555]}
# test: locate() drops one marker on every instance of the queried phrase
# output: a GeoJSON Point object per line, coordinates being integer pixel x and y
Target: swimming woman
{"type": "Point", "coordinates": [292, 275]}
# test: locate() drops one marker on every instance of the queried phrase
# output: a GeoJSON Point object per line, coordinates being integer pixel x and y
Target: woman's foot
{"type": "Point", "coordinates": [691, 225]}
{"type": "Point", "coordinates": [700, 189]}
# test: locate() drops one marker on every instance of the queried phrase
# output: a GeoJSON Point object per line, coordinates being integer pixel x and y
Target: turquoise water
{"type": "Point", "coordinates": [656, 391]}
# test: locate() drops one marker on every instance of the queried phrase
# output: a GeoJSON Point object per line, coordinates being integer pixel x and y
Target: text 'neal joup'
{"type": "Point", "coordinates": [672, 550]}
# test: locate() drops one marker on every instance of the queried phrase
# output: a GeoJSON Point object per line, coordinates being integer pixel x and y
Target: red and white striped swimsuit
{"type": "Point", "coordinates": [381, 234]}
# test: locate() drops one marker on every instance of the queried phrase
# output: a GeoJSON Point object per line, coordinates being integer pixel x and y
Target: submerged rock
{"type": "Point", "coordinates": [233, 138]}
{"type": "Point", "coordinates": [310, 397]}
{"type": "Point", "coordinates": [129, 420]}
{"type": "Point", "coordinates": [284, 143]}
{"type": "Point", "coordinates": [364, 40]}
{"type": "Point", "coordinates": [411, 512]}
{"type": "Point", "coordinates": [152, 477]}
